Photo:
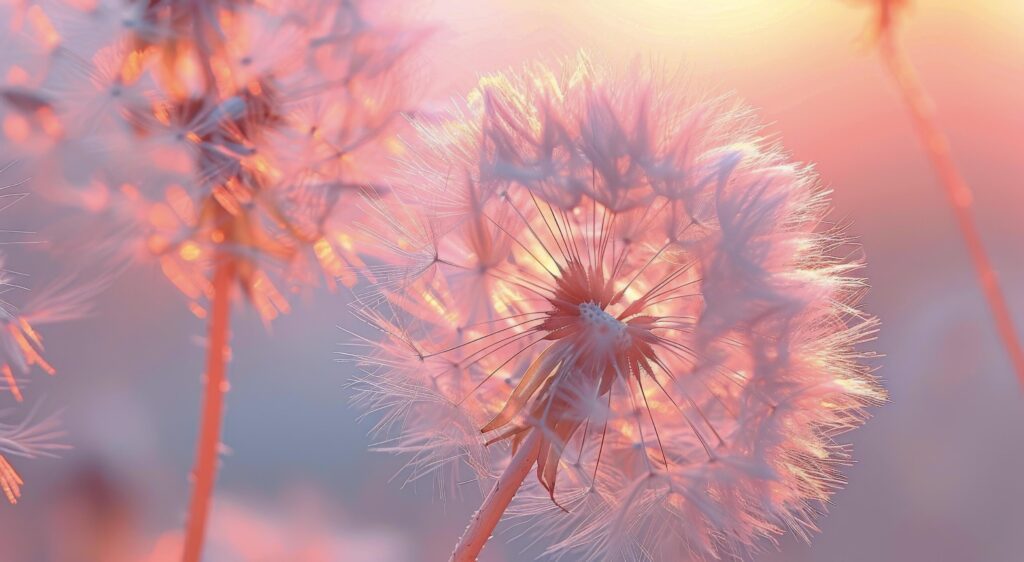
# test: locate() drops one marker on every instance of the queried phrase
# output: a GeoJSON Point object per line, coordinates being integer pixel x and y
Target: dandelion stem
{"type": "Point", "coordinates": [205, 471]}
{"type": "Point", "coordinates": [486, 518]}
{"type": "Point", "coordinates": [936, 145]}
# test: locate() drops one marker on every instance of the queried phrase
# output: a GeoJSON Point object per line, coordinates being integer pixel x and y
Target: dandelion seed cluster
{"type": "Point", "coordinates": [199, 133]}
{"type": "Point", "coordinates": [21, 351]}
{"type": "Point", "coordinates": [202, 127]}
{"type": "Point", "coordinates": [631, 273]}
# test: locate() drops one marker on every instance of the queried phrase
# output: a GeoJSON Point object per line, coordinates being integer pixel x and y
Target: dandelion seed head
{"type": "Point", "coordinates": [207, 128]}
{"type": "Point", "coordinates": [21, 351]}
{"type": "Point", "coordinates": [36, 435]}
{"type": "Point", "coordinates": [628, 269]}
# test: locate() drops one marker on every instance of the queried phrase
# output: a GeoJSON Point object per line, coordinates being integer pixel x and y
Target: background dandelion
{"type": "Point", "coordinates": [222, 138]}
{"type": "Point", "coordinates": [23, 313]}
{"type": "Point", "coordinates": [639, 295]}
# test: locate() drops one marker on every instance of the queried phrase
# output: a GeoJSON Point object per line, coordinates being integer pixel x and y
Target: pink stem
{"type": "Point", "coordinates": [487, 517]}
{"type": "Point", "coordinates": [205, 472]}
{"type": "Point", "coordinates": [957, 191]}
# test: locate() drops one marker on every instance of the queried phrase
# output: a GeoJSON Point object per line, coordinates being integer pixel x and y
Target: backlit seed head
{"type": "Point", "coordinates": [206, 128]}
{"type": "Point", "coordinates": [624, 266]}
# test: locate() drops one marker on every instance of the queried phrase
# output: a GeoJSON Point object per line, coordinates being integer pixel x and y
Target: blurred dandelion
{"type": "Point", "coordinates": [229, 137]}
{"type": "Point", "coordinates": [21, 349]}
{"type": "Point", "coordinates": [34, 436]}
{"type": "Point", "coordinates": [936, 145]}
{"type": "Point", "coordinates": [621, 286]}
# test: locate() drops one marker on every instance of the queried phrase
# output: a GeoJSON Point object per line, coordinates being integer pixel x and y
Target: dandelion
{"type": "Point", "coordinates": [21, 345]}
{"type": "Point", "coordinates": [626, 291]}
{"type": "Point", "coordinates": [21, 351]}
{"type": "Point", "coordinates": [937, 147]}
{"type": "Point", "coordinates": [33, 437]}
{"type": "Point", "coordinates": [229, 136]}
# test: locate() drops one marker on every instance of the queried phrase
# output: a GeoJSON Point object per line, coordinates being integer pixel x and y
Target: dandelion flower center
{"type": "Point", "coordinates": [603, 328]}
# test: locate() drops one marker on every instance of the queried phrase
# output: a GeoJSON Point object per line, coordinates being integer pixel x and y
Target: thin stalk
{"type": "Point", "coordinates": [486, 518]}
{"type": "Point", "coordinates": [205, 472]}
{"type": "Point", "coordinates": [958, 193]}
